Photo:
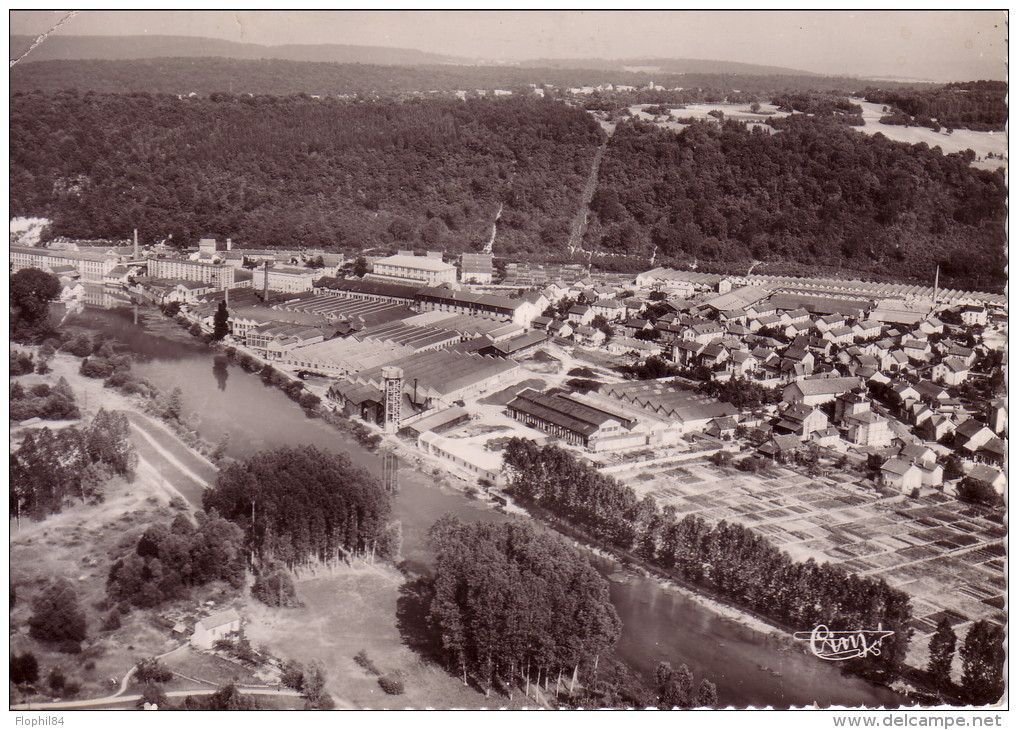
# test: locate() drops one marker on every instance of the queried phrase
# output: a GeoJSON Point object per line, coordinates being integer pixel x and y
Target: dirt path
{"type": "Point", "coordinates": [579, 226]}
{"type": "Point", "coordinates": [170, 462]}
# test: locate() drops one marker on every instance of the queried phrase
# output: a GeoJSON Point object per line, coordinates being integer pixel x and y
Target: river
{"type": "Point", "coordinates": [750, 668]}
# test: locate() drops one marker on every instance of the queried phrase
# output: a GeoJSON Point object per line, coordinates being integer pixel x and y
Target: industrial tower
{"type": "Point", "coordinates": [393, 377]}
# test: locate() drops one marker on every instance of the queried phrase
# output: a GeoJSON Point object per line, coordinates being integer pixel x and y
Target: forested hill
{"type": "Point", "coordinates": [816, 193]}
{"type": "Point", "coordinates": [119, 47]}
{"type": "Point", "coordinates": [295, 171]}
{"type": "Point", "coordinates": [208, 75]}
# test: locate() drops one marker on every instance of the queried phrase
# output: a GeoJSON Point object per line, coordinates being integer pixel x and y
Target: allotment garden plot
{"type": "Point", "coordinates": [947, 555]}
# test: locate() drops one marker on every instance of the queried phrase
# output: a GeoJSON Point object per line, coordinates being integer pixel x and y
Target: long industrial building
{"type": "Point", "coordinates": [443, 377]}
{"type": "Point", "coordinates": [593, 422]}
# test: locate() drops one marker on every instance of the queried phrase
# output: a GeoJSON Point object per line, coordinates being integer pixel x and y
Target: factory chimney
{"type": "Point", "coordinates": [265, 286]}
{"type": "Point", "coordinates": [229, 243]}
{"type": "Point", "coordinates": [135, 244]}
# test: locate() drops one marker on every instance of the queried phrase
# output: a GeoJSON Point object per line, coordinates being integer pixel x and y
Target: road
{"type": "Point", "coordinates": [119, 699]}
{"type": "Point", "coordinates": [180, 468]}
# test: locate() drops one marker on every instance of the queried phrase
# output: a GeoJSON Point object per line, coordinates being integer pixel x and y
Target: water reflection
{"type": "Point", "coordinates": [220, 371]}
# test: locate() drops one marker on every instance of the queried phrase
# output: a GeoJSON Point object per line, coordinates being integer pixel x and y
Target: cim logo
{"type": "Point", "coordinates": [837, 646]}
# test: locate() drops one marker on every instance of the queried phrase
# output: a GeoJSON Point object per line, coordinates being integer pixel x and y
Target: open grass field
{"type": "Point", "coordinates": [350, 610]}
{"type": "Point", "coordinates": [945, 554]}
{"type": "Point", "coordinates": [981, 143]}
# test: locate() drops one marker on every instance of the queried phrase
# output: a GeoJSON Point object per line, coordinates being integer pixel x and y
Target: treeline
{"type": "Point", "coordinates": [302, 505]}
{"type": "Point", "coordinates": [729, 560]}
{"type": "Point", "coordinates": [977, 105]}
{"type": "Point", "coordinates": [816, 193]}
{"type": "Point", "coordinates": [51, 467]}
{"type": "Point", "coordinates": [819, 104]}
{"type": "Point", "coordinates": [295, 171]}
{"type": "Point", "coordinates": [514, 605]}
{"type": "Point", "coordinates": [168, 559]}
{"type": "Point", "coordinates": [208, 75]}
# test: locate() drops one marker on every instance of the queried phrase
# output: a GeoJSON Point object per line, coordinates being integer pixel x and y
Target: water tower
{"type": "Point", "coordinates": [393, 378]}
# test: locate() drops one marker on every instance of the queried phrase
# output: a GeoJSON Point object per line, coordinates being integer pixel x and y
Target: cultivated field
{"type": "Point", "coordinates": [946, 554]}
{"type": "Point", "coordinates": [981, 143]}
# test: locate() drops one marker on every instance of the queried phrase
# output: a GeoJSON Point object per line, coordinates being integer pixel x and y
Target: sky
{"type": "Point", "coordinates": [912, 44]}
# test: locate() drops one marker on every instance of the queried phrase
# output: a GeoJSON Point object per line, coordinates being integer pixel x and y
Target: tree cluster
{"type": "Point", "coordinates": [168, 559]}
{"type": "Point", "coordinates": [31, 292]}
{"type": "Point", "coordinates": [42, 401]}
{"type": "Point", "coordinates": [819, 104]}
{"type": "Point", "coordinates": [730, 560]}
{"type": "Point", "coordinates": [302, 505]}
{"type": "Point", "coordinates": [295, 171]}
{"type": "Point", "coordinates": [274, 587]}
{"type": "Point", "coordinates": [56, 615]}
{"type": "Point", "coordinates": [51, 466]}
{"type": "Point", "coordinates": [971, 489]}
{"type": "Point", "coordinates": [512, 604]}
{"type": "Point", "coordinates": [979, 105]}
{"type": "Point", "coordinates": [741, 393]}
{"type": "Point", "coordinates": [818, 194]}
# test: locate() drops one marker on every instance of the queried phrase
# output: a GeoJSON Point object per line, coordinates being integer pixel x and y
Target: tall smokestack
{"type": "Point", "coordinates": [936, 286]}
{"type": "Point", "coordinates": [265, 286]}
{"type": "Point", "coordinates": [135, 244]}
{"type": "Point", "coordinates": [229, 243]}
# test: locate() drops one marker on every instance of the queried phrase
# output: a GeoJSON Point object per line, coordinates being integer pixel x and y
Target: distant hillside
{"type": "Point", "coordinates": [668, 65]}
{"type": "Point", "coordinates": [207, 75]}
{"type": "Point", "coordinates": [120, 48]}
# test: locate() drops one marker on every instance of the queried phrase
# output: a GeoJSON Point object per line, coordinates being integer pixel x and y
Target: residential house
{"type": "Point", "coordinates": [801, 420]}
{"type": "Point", "coordinates": [937, 427]}
{"type": "Point", "coordinates": [996, 415]}
{"type": "Point", "coordinates": [741, 364]}
{"type": "Point", "coordinates": [580, 314]}
{"type": "Point", "coordinates": [973, 315]}
{"type": "Point", "coordinates": [560, 329]}
{"type": "Point", "coordinates": [830, 322]}
{"type": "Point", "coordinates": [589, 336]}
{"type": "Point", "coordinates": [686, 352]}
{"type": "Point", "coordinates": [867, 329]}
{"type": "Point", "coordinates": [781, 447]}
{"type": "Point", "coordinates": [815, 391]}
{"type": "Point", "coordinates": [722, 428]}
{"type": "Point", "coordinates": [611, 309]}
{"type": "Point", "coordinates": [212, 628]}
{"type": "Point", "coordinates": [713, 355]}
{"type": "Point", "coordinates": [868, 429]}
{"type": "Point", "coordinates": [901, 475]}
{"type": "Point", "coordinates": [916, 350]}
{"type": "Point", "coordinates": [971, 436]}
{"type": "Point", "coordinates": [994, 477]}
{"type": "Point", "coordinates": [951, 371]}
{"type": "Point", "coordinates": [541, 322]}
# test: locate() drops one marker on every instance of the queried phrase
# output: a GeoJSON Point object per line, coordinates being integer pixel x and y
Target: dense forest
{"type": "Point", "coordinates": [208, 75]}
{"type": "Point", "coordinates": [730, 560]}
{"type": "Point", "coordinates": [978, 105]}
{"type": "Point", "coordinates": [513, 604]}
{"type": "Point", "coordinates": [296, 171]}
{"type": "Point", "coordinates": [271, 171]}
{"type": "Point", "coordinates": [303, 505]}
{"type": "Point", "coordinates": [814, 192]}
